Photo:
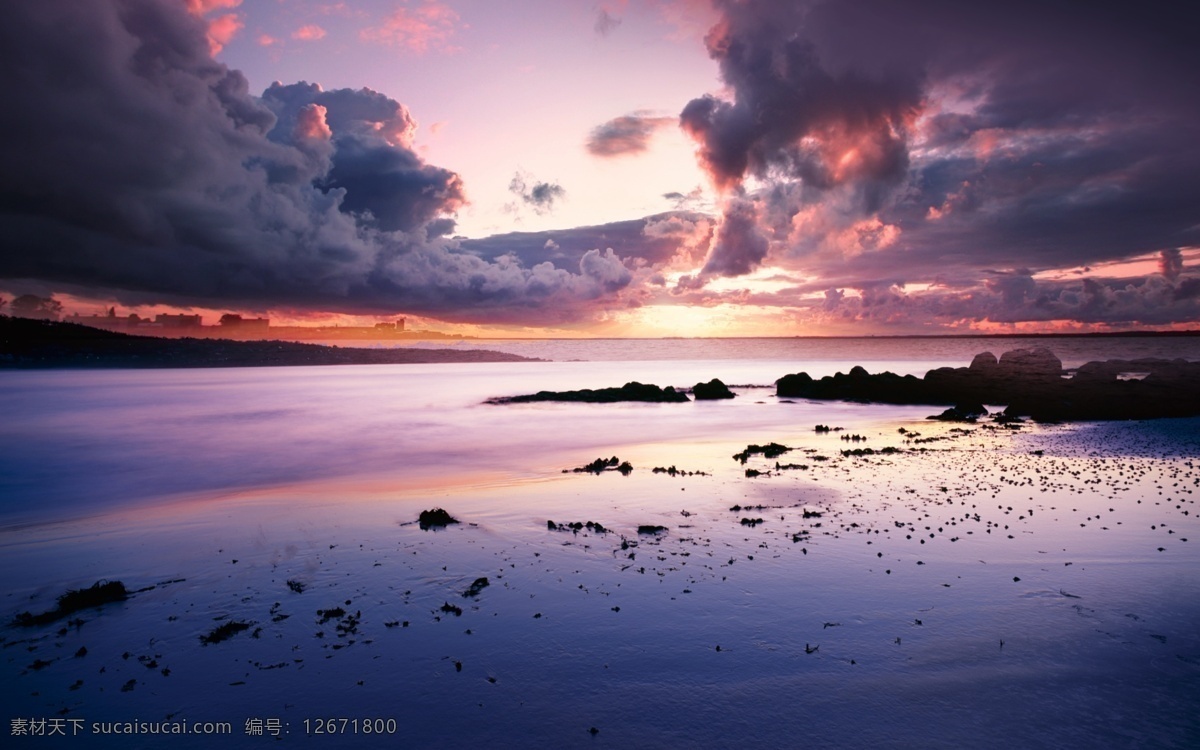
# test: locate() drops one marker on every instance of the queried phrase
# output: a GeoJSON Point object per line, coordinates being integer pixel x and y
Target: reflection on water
{"type": "Point", "coordinates": [955, 351]}
{"type": "Point", "coordinates": [974, 589]}
{"type": "Point", "coordinates": [78, 441]}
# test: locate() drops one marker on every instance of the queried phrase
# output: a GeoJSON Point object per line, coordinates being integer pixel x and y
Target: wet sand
{"type": "Point", "coordinates": [978, 587]}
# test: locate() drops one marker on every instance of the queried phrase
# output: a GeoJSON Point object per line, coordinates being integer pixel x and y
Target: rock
{"type": "Point", "coordinates": [961, 413]}
{"type": "Point", "coordinates": [1030, 382]}
{"type": "Point", "coordinates": [984, 362]}
{"type": "Point", "coordinates": [796, 385]}
{"type": "Point", "coordinates": [478, 586]}
{"type": "Point", "coordinates": [632, 391]}
{"type": "Point", "coordinates": [435, 519]}
{"type": "Point", "coordinates": [711, 391]}
{"type": "Point", "coordinates": [1039, 363]}
{"type": "Point", "coordinates": [858, 385]}
{"type": "Point", "coordinates": [601, 465]}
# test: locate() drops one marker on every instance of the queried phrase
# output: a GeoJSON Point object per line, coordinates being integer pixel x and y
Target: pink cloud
{"type": "Point", "coordinates": [689, 19]}
{"type": "Point", "coordinates": [428, 27]}
{"type": "Point", "coordinates": [222, 29]}
{"type": "Point", "coordinates": [311, 124]}
{"type": "Point", "coordinates": [309, 33]}
{"type": "Point", "coordinates": [266, 40]}
{"type": "Point", "coordinates": [203, 7]}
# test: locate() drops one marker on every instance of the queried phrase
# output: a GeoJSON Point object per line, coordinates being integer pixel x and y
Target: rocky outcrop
{"type": "Point", "coordinates": [1029, 382]}
{"type": "Point", "coordinates": [858, 385]}
{"type": "Point", "coordinates": [633, 391]}
{"type": "Point", "coordinates": [711, 391]}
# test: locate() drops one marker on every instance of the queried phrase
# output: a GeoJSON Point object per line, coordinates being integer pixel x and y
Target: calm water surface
{"type": "Point", "coordinates": [77, 441]}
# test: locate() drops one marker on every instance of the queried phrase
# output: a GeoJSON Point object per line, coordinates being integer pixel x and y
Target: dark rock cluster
{"type": "Point", "coordinates": [632, 391]}
{"type": "Point", "coordinates": [711, 391]}
{"type": "Point", "coordinates": [1029, 382]}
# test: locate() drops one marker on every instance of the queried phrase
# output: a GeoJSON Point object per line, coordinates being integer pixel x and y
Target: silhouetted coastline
{"type": "Point", "coordinates": [27, 343]}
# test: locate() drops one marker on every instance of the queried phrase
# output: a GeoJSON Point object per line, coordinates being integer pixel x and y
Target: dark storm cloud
{"type": "Point", "coordinates": [540, 196]}
{"type": "Point", "coordinates": [138, 167]}
{"type": "Point", "coordinates": [627, 135]}
{"type": "Point", "coordinates": [1024, 135]}
{"type": "Point", "coordinates": [1170, 263]}
{"type": "Point", "coordinates": [383, 178]}
{"type": "Point", "coordinates": [791, 113]}
{"type": "Point", "coordinates": [739, 246]}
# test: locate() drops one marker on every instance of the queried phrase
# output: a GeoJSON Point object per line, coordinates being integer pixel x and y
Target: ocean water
{"type": "Point", "coordinates": [975, 588]}
{"type": "Point", "coordinates": [901, 353]}
{"type": "Point", "coordinates": [80, 441]}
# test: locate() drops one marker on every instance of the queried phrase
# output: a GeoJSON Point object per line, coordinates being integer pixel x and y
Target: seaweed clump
{"type": "Point", "coordinates": [224, 632]}
{"type": "Point", "coordinates": [601, 465]}
{"type": "Point", "coordinates": [770, 450]}
{"type": "Point", "coordinates": [435, 519]}
{"type": "Point", "coordinates": [96, 595]}
{"type": "Point", "coordinates": [577, 526]}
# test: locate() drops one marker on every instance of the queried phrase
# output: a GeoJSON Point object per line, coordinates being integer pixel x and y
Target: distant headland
{"type": "Point", "coordinates": [234, 327]}
{"type": "Point", "coordinates": [29, 344]}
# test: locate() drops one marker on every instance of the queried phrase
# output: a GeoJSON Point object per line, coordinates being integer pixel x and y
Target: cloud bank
{"type": "Point", "coordinates": [891, 166]}
{"type": "Point", "coordinates": [139, 167]}
{"type": "Point", "coordinates": [878, 145]}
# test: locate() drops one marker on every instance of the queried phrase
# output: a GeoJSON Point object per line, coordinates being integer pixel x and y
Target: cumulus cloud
{"type": "Point", "coordinates": [884, 144]}
{"type": "Point", "coordinates": [385, 182]}
{"type": "Point", "coordinates": [739, 247]}
{"type": "Point", "coordinates": [204, 194]}
{"type": "Point", "coordinates": [627, 135]}
{"type": "Point", "coordinates": [666, 240]}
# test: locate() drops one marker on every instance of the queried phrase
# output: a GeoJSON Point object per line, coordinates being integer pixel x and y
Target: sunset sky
{"type": "Point", "coordinates": [634, 167]}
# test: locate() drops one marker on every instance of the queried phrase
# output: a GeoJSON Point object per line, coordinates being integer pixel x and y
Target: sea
{"type": "Point", "coordinates": [894, 582]}
{"type": "Point", "coordinates": [81, 441]}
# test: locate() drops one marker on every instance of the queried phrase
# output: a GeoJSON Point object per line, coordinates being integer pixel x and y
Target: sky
{"type": "Point", "coordinates": [622, 168]}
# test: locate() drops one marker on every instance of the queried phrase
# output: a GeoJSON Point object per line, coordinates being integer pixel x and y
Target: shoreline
{"type": "Point", "coordinates": [35, 344]}
{"type": "Point", "coordinates": [973, 582]}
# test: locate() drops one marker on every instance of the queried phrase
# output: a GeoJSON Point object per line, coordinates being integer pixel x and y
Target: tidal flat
{"type": "Point", "coordinates": [977, 586]}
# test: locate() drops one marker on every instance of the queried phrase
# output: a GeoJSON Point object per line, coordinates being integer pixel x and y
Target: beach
{"type": "Point", "coordinates": [956, 585]}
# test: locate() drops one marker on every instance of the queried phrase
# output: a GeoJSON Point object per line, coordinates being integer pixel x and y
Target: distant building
{"type": "Point", "coordinates": [397, 325]}
{"type": "Point", "coordinates": [177, 321]}
{"type": "Point", "coordinates": [111, 321]}
{"type": "Point", "coordinates": [232, 320]}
